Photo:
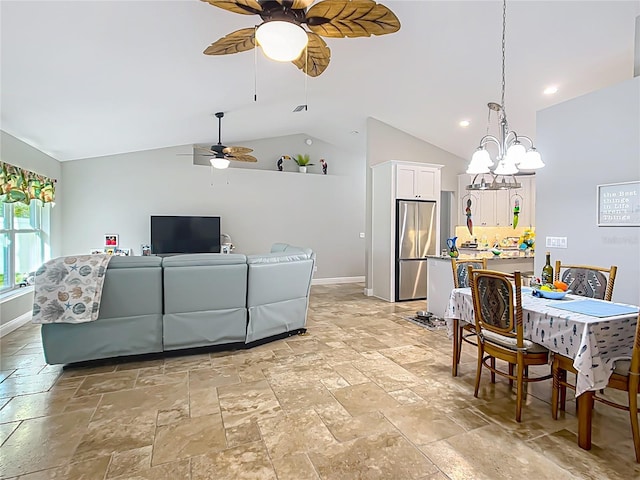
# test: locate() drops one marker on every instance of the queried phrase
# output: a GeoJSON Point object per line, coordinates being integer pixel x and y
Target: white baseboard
{"type": "Point", "coordinates": [11, 325]}
{"type": "Point", "coordinates": [330, 281]}
{"type": "Point", "coordinates": [368, 292]}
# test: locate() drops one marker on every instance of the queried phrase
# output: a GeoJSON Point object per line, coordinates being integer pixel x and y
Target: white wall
{"type": "Point", "coordinates": [118, 194]}
{"type": "Point", "coordinates": [20, 154]}
{"type": "Point", "coordinates": [385, 142]}
{"type": "Point", "coordinates": [587, 141]}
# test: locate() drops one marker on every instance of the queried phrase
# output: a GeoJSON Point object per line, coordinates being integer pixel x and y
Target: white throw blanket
{"type": "Point", "coordinates": [69, 289]}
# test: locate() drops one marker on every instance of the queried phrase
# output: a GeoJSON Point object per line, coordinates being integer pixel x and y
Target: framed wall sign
{"type": "Point", "coordinates": [619, 204]}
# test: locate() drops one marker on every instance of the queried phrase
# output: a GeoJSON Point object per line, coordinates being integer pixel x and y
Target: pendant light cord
{"type": "Point", "coordinates": [504, 29]}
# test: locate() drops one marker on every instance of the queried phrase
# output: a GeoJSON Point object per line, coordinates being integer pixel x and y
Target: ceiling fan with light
{"type": "Point", "coordinates": [222, 155]}
{"type": "Point", "coordinates": [281, 34]}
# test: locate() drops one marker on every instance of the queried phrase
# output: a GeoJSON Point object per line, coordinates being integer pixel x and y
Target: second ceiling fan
{"type": "Point", "coordinates": [327, 18]}
{"type": "Point", "coordinates": [222, 154]}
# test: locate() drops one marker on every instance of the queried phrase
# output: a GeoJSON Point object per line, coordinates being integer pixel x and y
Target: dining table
{"type": "Point", "coordinates": [594, 333]}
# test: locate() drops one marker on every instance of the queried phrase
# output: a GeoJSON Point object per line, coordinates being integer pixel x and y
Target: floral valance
{"type": "Point", "coordinates": [21, 185]}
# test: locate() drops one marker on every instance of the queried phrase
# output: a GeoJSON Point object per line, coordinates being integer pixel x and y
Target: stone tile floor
{"type": "Point", "coordinates": [365, 395]}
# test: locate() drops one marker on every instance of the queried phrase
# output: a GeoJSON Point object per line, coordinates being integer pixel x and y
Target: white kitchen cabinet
{"type": "Point", "coordinates": [495, 207]}
{"type": "Point", "coordinates": [527, 197]}
{"type": "Point", "coordinates": [504, 213]}
{"type": "Point", "coordinates": [417, 182]}
{"type": "Point", "coordinates": [392, 181]}
{"type": "Point", "coordinates": [483, 203]}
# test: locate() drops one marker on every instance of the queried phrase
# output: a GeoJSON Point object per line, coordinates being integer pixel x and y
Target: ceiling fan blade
{"type": "Point", "coordinates": [243, 158]}
{"type": "Point", "coordinates": [356, 18]}
{"type": "Point", "coordinates": [236, 42]}
{"type": "Point", "coordinates": [236, 150]}
{"type": "Point", "coordinates": [316, 59]}
{"type": "Point", "coordinates": [244, 7]}
{"type": "Point", "coordinates": [204, 150]}
{"type": "Point", "coordinates": [296, 4]}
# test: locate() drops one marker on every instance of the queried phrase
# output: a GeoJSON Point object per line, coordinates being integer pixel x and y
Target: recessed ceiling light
{"type": "Point", "coordinates": [464, 123]}
{"type": "Point", "coordinates": [550, 90]}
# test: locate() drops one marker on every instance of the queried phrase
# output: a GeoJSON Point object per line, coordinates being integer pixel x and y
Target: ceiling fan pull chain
{"type": "Point", "coordinates": [306, 77]}
{"type": "Point", "coordinates": [255, 65]}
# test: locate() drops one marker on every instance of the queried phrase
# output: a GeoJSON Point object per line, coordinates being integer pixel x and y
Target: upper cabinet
{"type": "Point", "coordinates": [494, 208]}
{"type": "Point", "coordinates": [417, 182]}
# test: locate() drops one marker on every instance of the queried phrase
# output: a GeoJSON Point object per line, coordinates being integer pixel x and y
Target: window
{"type": "Point", "coordinates": [24, 241]}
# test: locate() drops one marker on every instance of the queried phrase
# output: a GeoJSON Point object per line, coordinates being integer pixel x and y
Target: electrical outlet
{"type": "Point", "coordinates": [315, 268]}
{"type": "Point", "coordinates": [361, 234]}
{"type": "Point", "coordinates": [556, 242]}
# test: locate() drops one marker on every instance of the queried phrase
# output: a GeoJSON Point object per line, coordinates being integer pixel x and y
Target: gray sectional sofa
{"type": "Point", "coordinates": [154, 304]}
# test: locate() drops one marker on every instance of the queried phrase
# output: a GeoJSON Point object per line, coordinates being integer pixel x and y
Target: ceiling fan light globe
{"type": "Point", "coordinates": [219, 163]}
{"type": "Point", "coordinates": [281, 41]}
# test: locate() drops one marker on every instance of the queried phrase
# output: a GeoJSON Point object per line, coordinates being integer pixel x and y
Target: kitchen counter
{"type": "Point", "coordinates": [440, 274]}
{"type": "Point", "coordinates": [505, 255]}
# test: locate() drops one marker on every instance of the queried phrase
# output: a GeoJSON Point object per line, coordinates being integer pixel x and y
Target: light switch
{"type": "Point", "coordinates": [361, 234]}
{"type": "Point", "coordinates": [556, 242]}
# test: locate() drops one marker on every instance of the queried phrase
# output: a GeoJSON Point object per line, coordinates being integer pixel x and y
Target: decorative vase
{"type": "Point", "coordinates": [302, 169]}
{"type": "Point", "coordinates": [453, 250]}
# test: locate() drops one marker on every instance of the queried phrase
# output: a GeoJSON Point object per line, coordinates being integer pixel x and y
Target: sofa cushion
{"type": "Point", "coordinates": [134, 262]}
{"type": "Point", "coordinates": [286, 248]}
{"type": "Point", "coordinates": [203, 259]}
{"type": "Point", "coordinates": [278, 257]}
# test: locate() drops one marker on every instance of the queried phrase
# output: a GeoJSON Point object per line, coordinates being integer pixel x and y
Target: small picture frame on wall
{"type": "Point", "coordinates": [111, 240]}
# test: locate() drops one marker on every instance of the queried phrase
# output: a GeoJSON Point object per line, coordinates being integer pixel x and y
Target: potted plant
{"type": "Point", "coordinates": [303, 162]}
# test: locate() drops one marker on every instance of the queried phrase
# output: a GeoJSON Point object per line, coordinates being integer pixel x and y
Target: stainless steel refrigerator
{"type": "Point", "coordinates": [416, 237]}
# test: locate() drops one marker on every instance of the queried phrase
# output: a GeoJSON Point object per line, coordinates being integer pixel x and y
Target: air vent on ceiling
{"type": "Point", "coordinates": [300, 108]}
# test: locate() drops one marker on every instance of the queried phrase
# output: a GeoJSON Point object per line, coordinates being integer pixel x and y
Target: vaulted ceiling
{"type": "Point", "coordinates": [82, 79]}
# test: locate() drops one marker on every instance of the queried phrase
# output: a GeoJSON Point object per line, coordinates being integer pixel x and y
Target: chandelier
{"type": "Point", "coordinates": [512, 155]}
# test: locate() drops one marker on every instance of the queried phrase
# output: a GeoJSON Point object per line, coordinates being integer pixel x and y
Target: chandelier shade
{"type": "Point", "coordinates": [512, 154]}
{"type": "Point", "coordinates": [282, 41]}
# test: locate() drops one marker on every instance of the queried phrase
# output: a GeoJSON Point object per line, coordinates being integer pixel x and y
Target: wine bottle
{"type": "Point", "coordinates": [547, 271]}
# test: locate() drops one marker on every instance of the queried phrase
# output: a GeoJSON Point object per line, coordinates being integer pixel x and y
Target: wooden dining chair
{"type": "Point", "coordinates": [465, 331]}
{"type": "Point", "coordinates": [497, 305]}
{"type": "Point", "coordinates": [625, 377]}
{"type": "Point", "coordinates": [587, 280]}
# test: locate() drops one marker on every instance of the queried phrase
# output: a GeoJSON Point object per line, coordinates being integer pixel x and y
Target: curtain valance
{"type": "Point", "coordinates": [21, 185]}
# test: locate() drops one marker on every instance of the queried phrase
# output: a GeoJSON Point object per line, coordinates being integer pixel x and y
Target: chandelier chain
{"type": "Point", "coordinates": [512, 156]}
{"type": "Point", "coordinates": [504, 28]}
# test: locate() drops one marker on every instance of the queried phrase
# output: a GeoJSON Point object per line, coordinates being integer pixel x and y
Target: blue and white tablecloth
{"type": "Point", "coordinates": [594, 343]}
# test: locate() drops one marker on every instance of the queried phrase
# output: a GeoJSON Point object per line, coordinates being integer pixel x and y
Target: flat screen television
{"type": "Point", "coordinates": [182, 234]}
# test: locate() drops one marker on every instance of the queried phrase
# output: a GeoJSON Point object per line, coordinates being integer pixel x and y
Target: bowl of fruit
{"type": "Point", "coordinates": [555, 291]}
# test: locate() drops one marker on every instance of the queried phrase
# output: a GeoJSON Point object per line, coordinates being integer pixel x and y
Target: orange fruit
{"type": "Point", "coordinates": [560, 285]}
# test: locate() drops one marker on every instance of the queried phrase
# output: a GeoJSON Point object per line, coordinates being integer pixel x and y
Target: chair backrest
{"type": "Point", "coordinates": [497, 302]}
{"type": "Point", "coordinates": [634, 369]}
{"type": "Point", "coordinates": [461, 273]}
{"type": "Point", "coordinates": [587, 280]}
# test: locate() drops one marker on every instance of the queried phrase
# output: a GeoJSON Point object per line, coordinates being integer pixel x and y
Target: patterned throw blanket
{"type": "Point", "coordinates": [69, 289]}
